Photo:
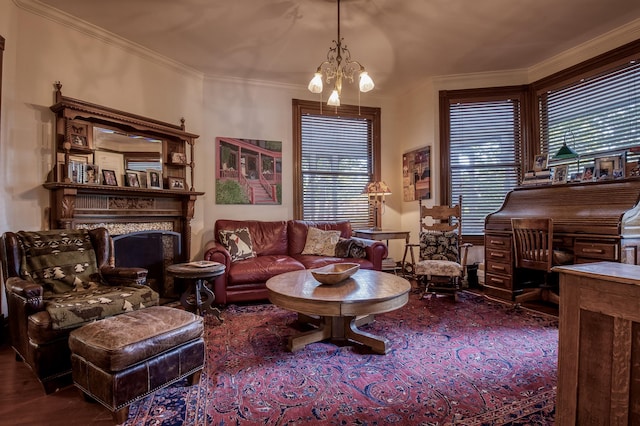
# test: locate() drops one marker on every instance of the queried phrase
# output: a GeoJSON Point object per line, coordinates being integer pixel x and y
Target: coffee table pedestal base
{"type": "Point", "coordinates": [338, 329]}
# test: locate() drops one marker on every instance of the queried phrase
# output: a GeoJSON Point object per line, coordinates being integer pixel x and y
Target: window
{"type": "Point", "coordinates": [480, 146]}
{"type": "Point", "coordinates": [593, 114]}
{"type": "Point", "coordinates": [336, 155]}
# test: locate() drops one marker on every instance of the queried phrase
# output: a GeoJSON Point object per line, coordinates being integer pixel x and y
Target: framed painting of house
{"type": "Point", "coordinates": [248, 171]}
{"type": "Point", "coordinates": [416, 174]}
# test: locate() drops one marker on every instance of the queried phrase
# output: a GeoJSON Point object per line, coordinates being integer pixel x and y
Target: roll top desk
{"type": "Point", "coordinates": [596, 221]}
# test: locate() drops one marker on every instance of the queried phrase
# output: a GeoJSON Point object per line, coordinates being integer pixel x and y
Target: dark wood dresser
{"type": "Point", "coordinates": [596, 221]}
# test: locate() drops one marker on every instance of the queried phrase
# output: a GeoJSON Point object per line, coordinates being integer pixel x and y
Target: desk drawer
{"type": "Point", "coordinates": [594, 250]}
{"type": "Point", "coordinates": [500, 242]}
{"type": "Point", "coordinates": [499, 267]}
{"type": "Point", "coordinates": [499, 281]}
{"type": "Point", "coordinates": [498, 256]}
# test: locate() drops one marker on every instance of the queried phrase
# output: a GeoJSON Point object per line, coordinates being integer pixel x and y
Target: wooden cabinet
{"type": "Point", "coordinates": [599, 345]}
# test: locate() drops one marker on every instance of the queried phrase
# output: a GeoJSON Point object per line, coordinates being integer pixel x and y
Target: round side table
{"type": "Point", "coordinates": [198, 296]}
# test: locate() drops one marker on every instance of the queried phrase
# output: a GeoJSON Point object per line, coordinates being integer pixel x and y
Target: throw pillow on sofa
{"type": "Point", "coordinates": [347, 247]}
{"type": "Point", "coordinates": [321, 243]}
{"type": "Point", "coordinates": [238, 243]}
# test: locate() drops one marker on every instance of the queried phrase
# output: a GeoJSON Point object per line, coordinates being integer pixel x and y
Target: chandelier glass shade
{"type": "Point", "coordinates": [338, 67]}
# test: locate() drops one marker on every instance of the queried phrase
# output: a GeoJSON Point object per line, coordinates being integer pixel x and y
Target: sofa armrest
{"type": "Point", "coordinates": [29, 294]}
{"type": "Point", "coordinates": [216, 252]}
{"type": "Point", "coordinates": [124, 276]}
{"type": "Point", "coordinates": [376, 251]}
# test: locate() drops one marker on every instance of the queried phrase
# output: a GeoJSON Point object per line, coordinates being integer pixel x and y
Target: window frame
{"type": "Point", "coordinates": [303, 107]}
{"type": "Point", "coordinates": [531, 131]}
{"type": "Point", "coordinates": [449, 97]}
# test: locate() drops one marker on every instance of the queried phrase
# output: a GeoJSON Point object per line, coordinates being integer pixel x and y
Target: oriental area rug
{"type": "Point", "coordinates": [471, 362]}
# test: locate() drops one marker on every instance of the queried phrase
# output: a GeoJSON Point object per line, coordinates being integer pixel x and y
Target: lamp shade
{"type": "Point", "coordinates": [377, 188]}
{"type": "Point", "coordinates": [334, 99]}
{"type": "Point", "coordinates": [565, 153]}
{"type": "Point", "coordinates": [315, 85]}
{"type": "Point", "coordinates": [366, 82]}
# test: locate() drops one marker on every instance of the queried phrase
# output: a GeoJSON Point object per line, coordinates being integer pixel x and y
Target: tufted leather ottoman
{"type": "Point", "coordinates": [123, 358]}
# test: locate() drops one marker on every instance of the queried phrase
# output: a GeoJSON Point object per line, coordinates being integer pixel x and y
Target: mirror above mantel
{"type": "Point", "coordinates": [97, 152]}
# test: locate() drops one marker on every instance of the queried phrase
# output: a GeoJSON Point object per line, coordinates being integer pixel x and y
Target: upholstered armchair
{"type": "Point", "coordinates": [56, 281]}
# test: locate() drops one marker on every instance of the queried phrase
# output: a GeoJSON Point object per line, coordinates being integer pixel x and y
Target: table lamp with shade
{"type": "Point", "coordinates": [376, 191]}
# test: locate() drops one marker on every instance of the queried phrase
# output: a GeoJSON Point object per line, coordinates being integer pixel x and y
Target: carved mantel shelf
{"type": "Point", "coordinates": [86, 206]}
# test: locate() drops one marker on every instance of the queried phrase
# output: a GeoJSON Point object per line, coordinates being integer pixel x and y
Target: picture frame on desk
{"type": "Point", "coordinates": [560, 174]}
{"type": "Point", "coordinates": [540, 162]}
{"type": "Point", "coordinates": [588, 174]}
{"type": "Point", "coordinates": [606, 167]}
{"type": "Point", "coordinates": [178, 158]}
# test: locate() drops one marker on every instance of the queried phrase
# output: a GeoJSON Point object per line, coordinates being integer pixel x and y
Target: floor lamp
{"type": "Point", "coordinates": [376, 192]}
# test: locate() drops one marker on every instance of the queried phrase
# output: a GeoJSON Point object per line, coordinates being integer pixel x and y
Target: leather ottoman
{"type": "Point", "coordinates": [121, 359]}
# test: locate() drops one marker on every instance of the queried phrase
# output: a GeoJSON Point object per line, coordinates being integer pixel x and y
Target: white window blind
{"type": "Point", "coordinates": [336, 165]}
{"type": "Point", "coordinates": [485, 140]}
{"type": "Point", "coordinates": [595, 115]}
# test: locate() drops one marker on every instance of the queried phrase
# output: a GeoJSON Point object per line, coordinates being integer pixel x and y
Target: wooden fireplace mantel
{"type": "Point", "coordinates": [76, 206]}
{"type": "Point", "coordinates": [80, 200]}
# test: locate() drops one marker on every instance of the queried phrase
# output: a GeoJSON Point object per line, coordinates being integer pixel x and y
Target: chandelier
{"type": "Point", "coordinates": [333, 69]}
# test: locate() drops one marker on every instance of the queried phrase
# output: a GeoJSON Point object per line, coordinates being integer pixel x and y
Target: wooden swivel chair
{"type": "Point", "coordinates": [533, 248]}
{"type": "Point", "coordinates": [441, 267]}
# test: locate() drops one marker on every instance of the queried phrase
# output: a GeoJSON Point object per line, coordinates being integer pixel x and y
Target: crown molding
{"type": "Point", "coordinates": [587, 50]}
{"type": "Point", "coordinates": [74, 23]}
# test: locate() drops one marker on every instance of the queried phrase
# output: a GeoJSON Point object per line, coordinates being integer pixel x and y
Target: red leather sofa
{"type": "Point", "coordinates": [278, 246]}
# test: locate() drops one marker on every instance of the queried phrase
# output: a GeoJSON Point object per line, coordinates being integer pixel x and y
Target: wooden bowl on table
{"type": "Point", "coordinates": [335, 273]}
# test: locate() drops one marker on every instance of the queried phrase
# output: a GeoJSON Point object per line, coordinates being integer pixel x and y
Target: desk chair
{"type": "Point", "coordinates": [533, 248]}
{"type": "Point", "coordinates": [441, 268]}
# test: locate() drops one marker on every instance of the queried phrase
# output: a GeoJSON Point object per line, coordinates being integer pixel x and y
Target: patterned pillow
{"type": "Point", "coordinates": [439, 246]}
{"type": "Point", "coordinates": [62, 261]}
{"type": "Point", "coordinates": [238, 243]}
{"type": "Point", "coordinates": [321, 243]}
{"type": "Point", "coordinates": [348, 247]}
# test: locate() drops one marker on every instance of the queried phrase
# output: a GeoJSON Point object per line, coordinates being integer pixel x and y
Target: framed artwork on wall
{"type": "Point", "coordinates": [416, 174]}
{"type": "Point", "coordinates": [248, 171]}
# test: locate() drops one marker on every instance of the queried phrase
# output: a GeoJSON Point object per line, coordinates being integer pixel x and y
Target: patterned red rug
{"type": "Point", "coordinates": [474, 362]}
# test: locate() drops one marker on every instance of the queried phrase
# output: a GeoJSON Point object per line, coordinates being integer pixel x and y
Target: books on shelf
{"type": "Point", "coordinates": [81, 172]}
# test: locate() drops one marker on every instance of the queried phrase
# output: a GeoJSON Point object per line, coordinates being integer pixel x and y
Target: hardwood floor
{"type": "Point", "coordinates": [23, 401]}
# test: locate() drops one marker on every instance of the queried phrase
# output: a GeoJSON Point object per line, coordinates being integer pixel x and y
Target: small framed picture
{"type": "Point", "coordinates": [606, 166]}
{"type": "Point", "coordinates": [79, 135]}
{"type": "Point", "coordinates": [109, 177]}
{"type": "Point", "coordinates": [587, 174]}
{"type": "Point", "coordinates": [176, 183]}
{"type": "Point", "coordinates": [132, 178]}
{"type": "Point", "coordinates": [560, 174]}
{"type": "Point", "coordinates": [178, 158]}
{"type": "Point", "coordinates": [154, 179]}
{"type": "Point", "coordinates": [92, 174]}
{"type": "Point", "coordinates": [540, 162]}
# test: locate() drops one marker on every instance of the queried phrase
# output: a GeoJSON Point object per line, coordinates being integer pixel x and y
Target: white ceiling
{"type": "Point", "coordinates": [400, 42]}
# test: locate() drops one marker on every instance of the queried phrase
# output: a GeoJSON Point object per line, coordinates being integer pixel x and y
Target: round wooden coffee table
{"type": "Point", "coordinates": [337, 310]}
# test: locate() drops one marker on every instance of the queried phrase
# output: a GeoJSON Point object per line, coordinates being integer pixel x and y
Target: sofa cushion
{"type": "Point", "coordinates": [62, 261]}
{"type": "Point", "coordinates": [238, 243]}
{"type": "Point", "coordinates": [268, 237]}
{"type": "Point", "coordinates": [321, 243]}
{"type": "Point", "coordinates": [259, 269]}
{"type": "Point", "coordinates": [439, 246]}
{"type": "Point", "coordinates": [297, 231]}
